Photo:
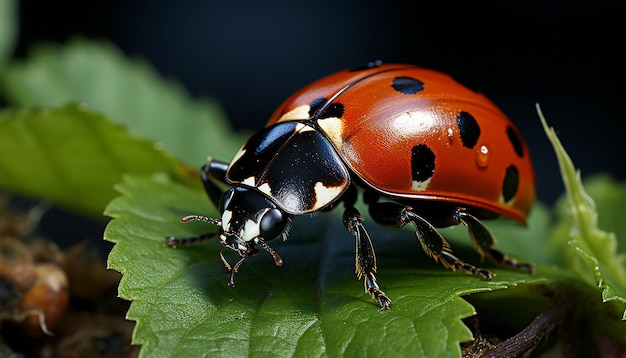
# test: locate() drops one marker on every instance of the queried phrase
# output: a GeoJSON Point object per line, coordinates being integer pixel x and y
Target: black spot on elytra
{"type": "Point", "coordinates": [316, 105]}
{"type": "Point", "coordinates": [510, 183]}
{"type": "Point", "coordinates": [470, 130]}
{"type": "Point", "coordinates": [515, 140]}
{"type": "Point", "coordinates": [422, 162]}
{"type": "Point", "coordinates": [407, 85]}
{"type": "Point", "coordinates": [320, 109]}
{"type": "Point", "coordinates": [333, 110]}
{"type": "Point", "coordinates": [367, 66]}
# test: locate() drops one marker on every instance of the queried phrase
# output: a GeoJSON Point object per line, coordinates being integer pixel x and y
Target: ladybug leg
{"type": "Point", "coordinates": [365, 256]}
{"type": "Point", "coordinates": [483, 240]}
{"type": "Point", "coordinates": [212, 171]}
{"type": "Point", "coordinates": [433, 244]}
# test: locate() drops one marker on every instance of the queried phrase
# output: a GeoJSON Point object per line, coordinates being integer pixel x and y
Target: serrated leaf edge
{"type": "Point", "coordinates": [585, 234]}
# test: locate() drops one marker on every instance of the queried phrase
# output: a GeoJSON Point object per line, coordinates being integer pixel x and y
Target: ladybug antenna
{"type": "Point", "coordinates": [188, 218]}
{"type": "Point", "coordinates": [278, 261]}
{"type": "Point", "coordinates": [175, 242]}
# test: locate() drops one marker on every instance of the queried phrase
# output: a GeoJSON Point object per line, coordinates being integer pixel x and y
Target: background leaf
{"type": "Point", "coordinates": [72, 156]}
{"type": "Point", "coordinates": [609, 197]}
{"type": "Point", "coordinates": [8, 29]}
{"type": "Point", "coordinates": [183, 306]}
{"type": "Point", "coordinates": [127, 91]}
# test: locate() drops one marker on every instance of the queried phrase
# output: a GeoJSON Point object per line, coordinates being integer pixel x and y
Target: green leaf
{"type": "Point", "coordinates": [127, 91]}
{"type": "Point", "coordinates": [609, 197]}
{"type": "Point", "coordinates": [8, 29]}
{"type": "Point", "coordinates": [312, 306]}
{"type": "Point", "coordinates": [596, 249]}
{"type": "Point", "coordinates": [72, 156]}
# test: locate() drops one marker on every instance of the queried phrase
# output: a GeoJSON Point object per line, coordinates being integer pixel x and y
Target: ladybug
{"type": "Point", "coordinates": [419, 147]}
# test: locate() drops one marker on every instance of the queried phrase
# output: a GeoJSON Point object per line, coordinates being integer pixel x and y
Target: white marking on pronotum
{"type": "Point", "coordinates": [251, 181]}
{"type": "Point", "coordinates": [265, 188]}
{"type": "Point", "coordinates": [333, 127]}
{"type": "Point", "coordinates": [420, 185]}
{"type": "Point", "coordinates": [250, 230]}
{"type": "Point", "coordinates": [300, 112]}
{"type": "Point", "coordinates": [226, 216]}
{"type": "Point", "coordinates": [325, 194]}
{"type": "Point", "coordinates": [301, 127]}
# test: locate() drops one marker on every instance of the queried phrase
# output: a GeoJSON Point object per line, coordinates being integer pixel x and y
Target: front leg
{"type": "Point", "coordinates": [210, 173]}
{"type": "Point", "coordinates": [365, 256]}
{"type": "Point", "coordinates": [434, 245]}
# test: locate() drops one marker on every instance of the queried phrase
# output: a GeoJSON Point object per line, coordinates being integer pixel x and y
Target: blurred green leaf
{"type": "Point", "coordinates": [127, 91]}
{"type": "Point", "coordinates": [312, 306]}
{"type": "Point", "coordinates": [8, 29]}
{"type": "Point", "coordinates": [73, 156]}
{"type": "Point", "coordinates": [598, 259]}
{"type": "Point", "coordinates": [609, 197]}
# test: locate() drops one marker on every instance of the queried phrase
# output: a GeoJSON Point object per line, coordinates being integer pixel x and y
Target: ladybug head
{"type": "Point", "coordinates": [249, 219]}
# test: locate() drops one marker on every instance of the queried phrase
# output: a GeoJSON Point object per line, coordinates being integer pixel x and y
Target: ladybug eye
{"type": "Point", "coordinates": [272, 224]}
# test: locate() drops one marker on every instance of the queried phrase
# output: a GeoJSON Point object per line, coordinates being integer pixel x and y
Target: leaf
{"type": "Point", "coordinates": [8, 29]}
{"type": "Point", "coordinates": [609, 197]}
{"type": "Point", "coordinates": [596, 248]}
{"type": "Point", "coordinates": [72, 156]}
{"type": "Point", "coordinates": [127, 91]}
{"type": "Point", "coordinates": [312, 306]}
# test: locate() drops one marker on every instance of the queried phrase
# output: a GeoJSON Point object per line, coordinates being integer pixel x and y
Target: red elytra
{"type": "Point", "coordinates": [415, 133]}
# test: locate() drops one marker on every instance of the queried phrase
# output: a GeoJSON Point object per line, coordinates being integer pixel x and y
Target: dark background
{"type": "Point", "coordinates": [250, 55]}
